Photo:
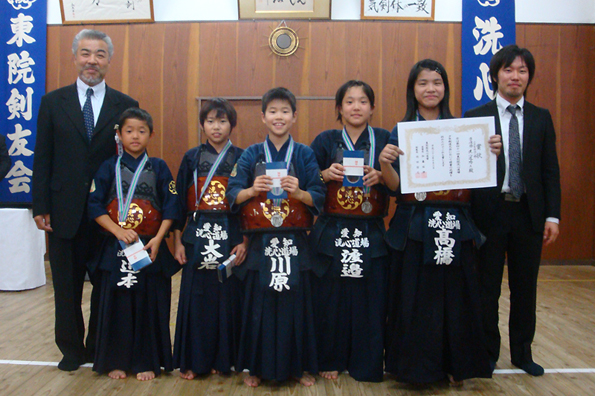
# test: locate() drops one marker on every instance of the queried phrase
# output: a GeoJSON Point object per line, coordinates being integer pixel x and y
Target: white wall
{"type": "Point", "coordinates": [533, 11]}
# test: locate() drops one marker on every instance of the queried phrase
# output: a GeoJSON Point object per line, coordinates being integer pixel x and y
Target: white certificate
{"type": "Point", "coordinates": [446, 154]}
{"type": "Point", "coordinates": [277, 175]}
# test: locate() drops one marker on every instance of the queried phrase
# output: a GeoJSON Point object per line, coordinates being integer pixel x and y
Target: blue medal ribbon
{"type": "Point", "coordinates": [351, 147]}
{"type": "Point", "coordinates": [210, 174]}
{"type": "Point", "coordinates": [124, 204]}
{"type": "Point", "coordinates": [269, 158]}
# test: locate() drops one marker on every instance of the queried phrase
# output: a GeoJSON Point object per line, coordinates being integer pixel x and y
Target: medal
{"type": "Point", "coordinates": [125, 204]}
{"type": "Point", "coordinates": [351, 147]}
{"type": "Point", "coordinates": [420, 196]}
{"type": "Point", "coordinates": [218, 189]}
{"type": "Point", "coordinates": [367, 207]}
{"type": "Point", "coordinates": [277, 220]}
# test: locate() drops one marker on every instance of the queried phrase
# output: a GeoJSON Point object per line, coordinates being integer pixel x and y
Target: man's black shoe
{"type": "Point", "coordinates": [531, 368]}
{"type": "Point", "coordinates": [67, 364]}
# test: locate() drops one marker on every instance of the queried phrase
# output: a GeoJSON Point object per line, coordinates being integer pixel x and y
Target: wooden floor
{"type": "Point", "coordinates": [564, 345]}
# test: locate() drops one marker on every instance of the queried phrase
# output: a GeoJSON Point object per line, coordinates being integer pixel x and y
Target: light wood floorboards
{"type": "Point", "coordinates": [565, 340]}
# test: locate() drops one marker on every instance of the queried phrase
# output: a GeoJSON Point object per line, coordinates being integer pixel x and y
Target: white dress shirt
{"type": "Point", "coordinates": [96, 99]}
{"type": "Point", "coordinates": [505, 117]}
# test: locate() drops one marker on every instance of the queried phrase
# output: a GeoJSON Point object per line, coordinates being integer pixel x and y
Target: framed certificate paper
{"type": "Point", "coordinates": [288, 9]}
{"type": "Point", "coordinates": [446, 154]}
{"type": "Point", "coordinates": [398, 9]}
{"type": "Point", "coordinates": [106, 11]}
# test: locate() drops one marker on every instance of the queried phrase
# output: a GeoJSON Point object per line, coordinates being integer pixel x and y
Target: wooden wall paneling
{"type": "Point", "coordinates": [575, 138]}
{"type": "Point", "coordinates": [117, 77]}
{"type": "Point", "coordinates": [257, 74]}
{"type": "Point", "coordinates": [453, 65]}
{"type": "Point", "coordinates": [166, 66]}
{"type": "Point", "coordinates": [145, 53]}
{"type": "Point", "coordinates": [219, 60]}
{"type": "Point", "coordinates": [553, 88]}
{"type": "Point", "coordinates": [326, 72]}
{"type": "Point", "coordinates": [250, 128]}
{"type": "Point", "coordinates": [289, 72]}
{"type": "Point", "coordinates": [588, 36]}
{"type": "Point", "coordinates": [328, 43]}
{"type": "Point", "coordinates": [397, 60]}
{"type": "Point", "coordinates": [174, 100]}
{"type": "Point", "coordinates": [257, 68]}
{"type": "Point", "coordinates": [322, 116]}
{"type": "Point", "coordinates": [363, 60]}
{"type": "Point", "coordinates": [569, 114]}
{"type": "Point", "coordinates": [193, 85]}
{"type": "Point", "coordinates": [56, 49]}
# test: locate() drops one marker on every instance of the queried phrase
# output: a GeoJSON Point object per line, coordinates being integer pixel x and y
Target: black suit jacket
{"type": "Point", "coordinates": [65, 162]}
{"type": "Point", "coordinates": [541, 173]}
{"type": "Point", "coordinates": [5, 161]}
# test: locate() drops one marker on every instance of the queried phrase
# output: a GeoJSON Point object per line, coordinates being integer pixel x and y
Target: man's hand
{"type": "Point", "coordinates": [43, 222]}
{"type": "Point", "coordinates": [550, 233]}
{"type": "Point", "coordinates": [495, 142]}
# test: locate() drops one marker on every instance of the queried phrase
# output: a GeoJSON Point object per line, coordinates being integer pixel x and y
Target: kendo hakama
{"type": "Point", "coordinates": [277, 338]}
{"type": "Point", "coordinates": [208, 321]}
{"type": "Point", "coordinates": [133, 332]}
{"type": "Point", "coordinates": [434, 321]}
{"type": "Point", "coordinates": [351, 264]}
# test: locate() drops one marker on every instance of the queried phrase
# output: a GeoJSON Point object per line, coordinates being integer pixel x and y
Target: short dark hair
{"type": "Point", "coordinates": [136, 114]}
{"type": "Point", "coordinates": [279, 93]}
{"type": "Point", "coordinates": [412, 104]}
{"type": "Point", "coordinates": [505, 57]}
{"type": "Point", "coordinates": [223, 108]}
{"type": "Point", "coordinates": [342, 91]}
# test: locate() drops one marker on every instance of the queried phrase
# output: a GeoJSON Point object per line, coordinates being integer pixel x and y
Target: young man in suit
{"type": "Point", "coordinates": [522, 213]}
{"type": "Point", "coordinates": [75, 134]}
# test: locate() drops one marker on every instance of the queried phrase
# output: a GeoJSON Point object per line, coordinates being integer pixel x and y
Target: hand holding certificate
{"type": "Point", "coordinates": [447, 154]}
{"type": "Point", "coordinates": [224, 269]}
{"type": "Point", "coordinates": [137, 256]}
{"type": "Point", "coordinates": [353, 162]}
{"type": "Point", "coordinates": [277, 171]}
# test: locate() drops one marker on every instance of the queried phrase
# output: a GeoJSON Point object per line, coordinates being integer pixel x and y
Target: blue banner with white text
{"type": "Point", "coordinates": [488, 25]}
{"type": "Point", "coordinates": [23, 26]}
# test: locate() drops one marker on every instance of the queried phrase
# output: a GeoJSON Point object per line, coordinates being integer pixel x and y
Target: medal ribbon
{"type": "Point", "coordinates": [210, 174]}
{"type": "Point", "coordinates": [350, 147]}
{"type": "Point", "coordinates": [124, 204]}
{"type": "Point", "coordinates": [269, 158]}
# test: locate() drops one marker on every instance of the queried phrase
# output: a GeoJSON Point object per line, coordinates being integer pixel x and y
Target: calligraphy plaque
{"type": "Point", "coordinates": [287, 9]}
{"type": "Point", "coordinates": [398, 9]}
{"type": "Point", "coordinates": [106, 11]}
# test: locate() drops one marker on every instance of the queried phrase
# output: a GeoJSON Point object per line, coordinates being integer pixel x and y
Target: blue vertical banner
{"type": "Point", "coordinates": [488, 25]}
{"type": "Point", "coordinates": [23, 27]}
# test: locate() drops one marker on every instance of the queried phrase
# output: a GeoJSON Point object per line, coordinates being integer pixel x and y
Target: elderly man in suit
{"type": "Point", "coordinates": [522, 213]}
{"type": "Point", "coordinates": [75, 134]}
{"type": "Point", "coordinates": [5, 161]}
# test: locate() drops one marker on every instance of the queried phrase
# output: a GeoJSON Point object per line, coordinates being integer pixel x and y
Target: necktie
{"type": "Point", "coordinates": [88, 114]}
{"type": "Point", "coordinates": [514, 153]}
